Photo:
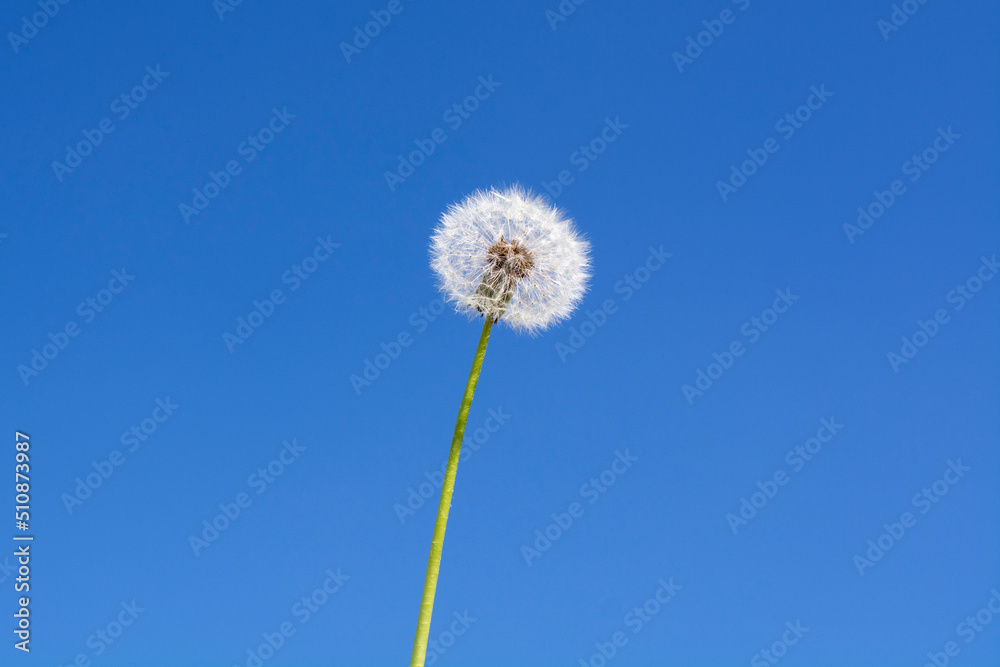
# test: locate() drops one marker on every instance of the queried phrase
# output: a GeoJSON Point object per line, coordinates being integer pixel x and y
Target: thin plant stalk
{"type": "Point", "coordinates": [447, 488]}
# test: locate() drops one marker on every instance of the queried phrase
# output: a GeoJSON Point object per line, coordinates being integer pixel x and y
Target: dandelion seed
{"type": "Point", "coordinates": [510, 253]}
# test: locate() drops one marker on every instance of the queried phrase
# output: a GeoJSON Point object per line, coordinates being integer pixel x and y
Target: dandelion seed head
{"type": "Point", "coordinates": [510, 255]}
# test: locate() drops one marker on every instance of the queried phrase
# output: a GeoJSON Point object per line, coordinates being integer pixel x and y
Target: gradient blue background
{"type": "Point", "coordinates": [334, 507]}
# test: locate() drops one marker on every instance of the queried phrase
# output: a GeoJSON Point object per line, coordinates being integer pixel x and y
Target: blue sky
{"type": "Point", "coordinates": [783, 439]}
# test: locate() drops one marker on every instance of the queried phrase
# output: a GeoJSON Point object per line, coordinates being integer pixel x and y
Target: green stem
{"type": "Point", "coordinates": [437, 542]}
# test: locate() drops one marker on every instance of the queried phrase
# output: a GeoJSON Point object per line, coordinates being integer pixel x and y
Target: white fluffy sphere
{"type": "Point", "coordinates": [510, 255]}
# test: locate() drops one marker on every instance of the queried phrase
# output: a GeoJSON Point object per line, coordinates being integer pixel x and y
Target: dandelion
{"type": "Point", "coordinates": [510, 253]}
{"type": "Point", "coordinates": [502, 255]}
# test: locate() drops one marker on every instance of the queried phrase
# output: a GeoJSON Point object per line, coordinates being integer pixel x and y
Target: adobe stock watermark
{"type": "Point", "coordinates": [923, 501]}
{"type": "Point", "coordinates": [248, 149]}
{"type": "Point", "coordinates": [30, 26]}
{"type": "Point", "coordinates": [591, 490]}
{"type": "Point", "coordinates": [294, 276]}
{"type": "Point", "coordinates": [627, 287]}
{"type": "Point", "coordinates": [961, 295]}
{"type": "Point", "coordinates": [695, 46]}
{"type": "Point", "coordinates": [105, 468]}
{"type": "Point", "coordinates": [753, 329]}
{"type": "Point", "coordinates": [381, 18]}
{"type": "Point", "coordinates": [105, 636]}
{"type": "Point", "coordinates": [914, 168]}
{"type": "Point", "coordinates": [787, 126]}
{"type": "Point", "coordinates": [419, 320]}
{"type": "Point", "coordinates": [122, 107]}
{"type": "Point", "coordinates": [223, 7]}
{"type": "Point", "coordinates": [446, 639]}
{"type": "Point", "coordinates": [586, 155]}
{"type": "Point", "coordinates": [260, 481]}
{"type": "Point", "coordinates": [900, 14]}
{"type": "Point", "coordinates": [87, 309]}
{"type": "Point", "coordinates": [796, 459]}
{"type": "Point", "coordinates": [416, 498]}
{"type": "Point", "coordinates": [562, 12]}
{"type": "Point", "coordinates": [302, 611]}
{"type": "Point", "coordinates": [779, 649]}
{"type": "Point", "coordinates": [970, 628]}
{"type": "Point", "coordinates": [454, 116]}
{"type": "Point", "coordinates": [635, 620]}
